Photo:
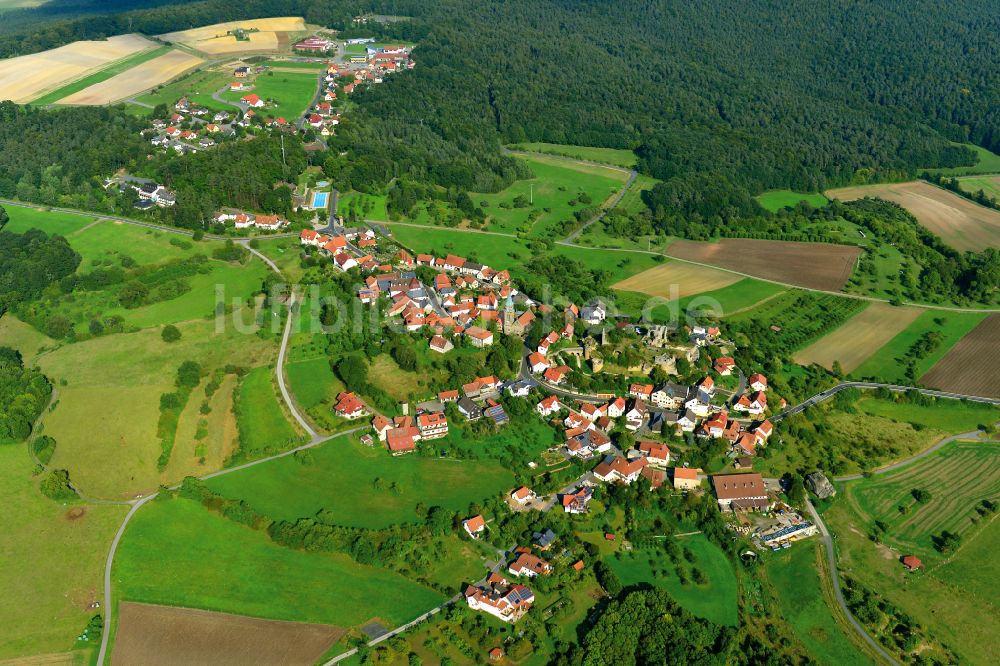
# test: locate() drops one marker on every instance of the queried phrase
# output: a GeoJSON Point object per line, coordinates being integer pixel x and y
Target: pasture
{"type": "Point", "coordinates": [25, 78]}
{"type": "Point", "coordinates": [291, 92]}
{"type": "Point", "coordinates": [619, 157]}
{"type": "Point", "coordinates": [941, 414]}
{"type": "Point", "coordinates": [960, 223]}
{"type": "Point", "coordinates": [165, 636]}
{"type": "Point", "coordinates": [102, 75]}
{"type": "Point", "coordinates": [972, 366]}
{"type": "Point", "coordinates": [134, 80]}
{"type": "Point", "coordinates": [886, 362]}
{"type": "Point", "coordinates": [813, 265]}
{"type": "Point", "coordinates": [341, 477]}
{"type": "Point", "coordinates": [619, 264]}
{"type": "Point", "coordinates": [990, 185]}
{"type": "Point", "coordinates": [715, 600]}
{"type": "Point", "coordinates": [203, 442]}
{"type": "Point", "coordinates": [285, 253]}
{"type": "Point", "coordinates": [957, 477]}
{"type": "Point", "coordinates": [632, 202]}
{"type": "Point", "coordinates": [53, 557]}
{"type": "Point", "coordinates": [775, 200]}
{"type": "Point", "coordinates": [271, 34]}
{"type": "Point", "coordinates": [675, 279]}
{"type": "Point", "coordinates": [742, 295]}
{"type": "Point", "coordinates": [26, 339]}
{"type": "Point", "coordinates": [500, 252]}
{"type": "Point", "coordinates": [109, 394]}
{"type": "Point", "coordinates": [264, 428]}
{"type": "Point", "coordinates": [797, 586]}
{"type": "Point", "coordinates": [207, 561]}
{"type": "Point", "coordinates": [554, 194]}
{"type": "Point", "coordinates": [51, 222]}
{"type": "Point", "coordinates": [859, 337]}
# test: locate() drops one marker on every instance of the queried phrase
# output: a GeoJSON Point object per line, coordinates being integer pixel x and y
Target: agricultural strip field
{"type": "Point", "coordinates": [887, 364]}
{"type": "Point", "coordinates": [167, 636]}
{"type": "Point", "coordinates": [675, 279]}
{"type": "Point", "coordinates": [859, 337]}
{"type": "Point", "coordinates": [798, 588]}
{"type": "Point", "coordinates": [292, 92]}
{"type": "Point", "coordinates": [109, 387]}
{"type": "Point", "coordinates": [55, 557]}
{"type": "Point", "coordinates": [775, 200]}
{"type": "Point", "coordinates": [714, 600]}
{"type": "Point", "coordinates": [614, 156]}
{"type": "Point", "coordinates": [204, 560]}
{"type": "Point", "coordinates": [24, 78]}
{"type": "Point", "coordinates": [973, 365]}
{"type": "Point", "coordinates": [102, 75]}
{"type": "Point", "coordinates": [198, 87]}
{"type": "Point", "coordinates": [204, 441]}
{"type": "Point", "coordinates": [133, 81]}
{"type": "Point", "coordinates": [341, 478]}
{"type": "Point", "coordinates": [212, 39]}
{"type": "Point", "coordinates": [812, 265]}
{"type": "Point", "coordinates": [960, 223]}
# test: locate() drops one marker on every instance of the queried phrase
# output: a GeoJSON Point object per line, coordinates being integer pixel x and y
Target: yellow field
{"type": "Point", "coordinates": [859, 337]}
{"type": "Point", "coordinates": [27, 77]}
{"type": "Point", "coordinates": [675, 279]}
{"type": "Point", "coordinates": [212, 39]}
{"type": "Point", "coordinates": [141, 77]}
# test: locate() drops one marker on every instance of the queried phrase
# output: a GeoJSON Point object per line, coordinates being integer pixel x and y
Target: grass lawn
{"type": "Point", "coordinates": [109, 394]}
{"type": "Point", "coordinates": [715, 600]}
{"type": "Point", "coordinates": [951, 599]}
{"type": "Point", "coordinates": [367, 206]}
{"type": "Point", "coordinates": [797, 587]}
{"type": "Point", "coordinates": [198, 87]}
{"type": "Point", "coordinates": [51, 562]}
{"type": "Point", "coordinates": [206, 561]}
{"type": "Point", "coordinates": [952, 326]}
{"type": "Point", "coordinates": [988, 163]}
{"type": "Point", "coordinates": [746, 293]}
{"type": "Point", "coordinates": [557, 182]}
{"type": "Point", "coordinates": [341, 478]}
{"type": "Point", "coordinates": [953, 416]}
{"type": "Point", "coordinates": [292, 93]}
{"type": "Point", "coordinates": [775, 200]}
{"type": "Point", "coordinates": [618, 263]}
{"type": "Point", "coordinates": [615, 156]}
{"type": "Point", "coordinates": [103, 75]}
{"type": "Point", "coordinates": [500, 252]}
{"type": "Point", "coordinates": [51, 222]}
{"type": "Point", "coordinates": [26, 339]}
{"type": "Point", "coordinates": [107, 241]}
{"type": "Point", "coordinates": [286, 254]}
{"type": "Point", "coordinates": [263, 426]}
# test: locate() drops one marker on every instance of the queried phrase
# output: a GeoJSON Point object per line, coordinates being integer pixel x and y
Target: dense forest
{"type": "Point", "coordinates": [23, 395]}
{"type": "Point", "coordinates": [31, 262]}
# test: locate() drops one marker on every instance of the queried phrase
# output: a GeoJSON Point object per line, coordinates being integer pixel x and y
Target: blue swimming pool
{"type": "Point", "coordinates": [320, 199]}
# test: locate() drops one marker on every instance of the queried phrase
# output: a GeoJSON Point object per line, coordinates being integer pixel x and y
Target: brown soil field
{"type": "Point", "coordinates": [27, 77]}
{"type": "Point", "coordinates": [153, 635]}
{"type": "Point", "coordinates": [859, 337]}
{"type": "Point", "coordinates": [685, 279]}
{"type": "Point", "coordinates": [139, 78]}
{"type": "Point", "coordinates": [959, 222]}
{"type": "Point", "coordinates": [972, 366]}
{"type": "Point", "coordinates": [212, 39]}
{"type": "Point", "coordinates": [811, 265]}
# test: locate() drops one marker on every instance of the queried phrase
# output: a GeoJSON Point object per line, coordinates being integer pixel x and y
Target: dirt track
{"type": "Point", "coordinates": [959, 222]}
{"type": "Point", "coordinates": [150, 635]}
{"type": "Point", "coordinates": [812, 265]}
{"type": "Point", "coordinates": [973, 365]}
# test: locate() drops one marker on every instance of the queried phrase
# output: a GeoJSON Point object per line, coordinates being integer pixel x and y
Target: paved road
{"type": "Point", "coordinates": [217, 96]}
{"type": "Point", "coordinates": [831, 561]}
{"type": "Point", "coordinates": [279, 371]}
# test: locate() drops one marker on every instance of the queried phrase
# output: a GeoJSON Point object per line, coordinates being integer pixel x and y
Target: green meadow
{"type": "Point", "coordinates": [990, 185]}
{"type": "Point", "coordinates": [988, 163]}
{"type": "Point", "coordinates": [775, 200]}
{"type": "Point", "coordinates": [292, 93]}
{"type": "Point", "coordinates": [715, 600]}
{"type": "Point", "coordinates": [206, 561]}
{"type": "Point", "coordinates": [364, 206]}
{"type": "Point", "coordinates": [198, 87]}
{"type": "Point", "coordinates": [51, 222]}
{"type": "Point", "coordinates": [632, 202]}
{"type": "Point", "coordinates": [500, 252]}
{"type": "Point", "coordinates": [951, 326]}
{"type": "Point", "coordinates": [103, 75]}
{"type": "Point", "coordinates": [362, 486]}
{"type": "Point", "coordinates": [264, 427]}
{"type": "Point", "coordinates": [746, 293]}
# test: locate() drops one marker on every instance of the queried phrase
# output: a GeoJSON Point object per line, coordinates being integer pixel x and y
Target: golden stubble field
{"type": "Point", "coordinates": [859, 337]}
{"type": "Point", "coordinates": [131, 82]}
{"type": "Point", "coordinates": [676, 279]}
{"type": "Point", "coordinates": [212, 39]}
{"type": "Point", "coordinates": [960, 223]}
{"type": "Point", "coordinates": [25, 78]}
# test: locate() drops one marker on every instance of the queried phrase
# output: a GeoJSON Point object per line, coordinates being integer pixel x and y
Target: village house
{"type": "Point", "coordinates": [479, 337]}
{"type": "Point", "coordinates": [740, 492]}
{"type": "Point", "coordinates": [381, 425]}
{"type": "Point", "coordinates": [615, 468]}
{"type": "Point", "coordinates": [578, 500]}
{"type": "Point", "coordinates": [616, 408]}
{"type": "Point", "coordinates": [656, 454]}
{"type": "Point", "coordinates": [475, 526]}
{"type": "Point", "coordinates": [433, 425]}
{"type": "Point", "coordinates": [757, 382]}
{"type": "Point", "coordinates": [686, 479]}
{"type": "Point", "coordinates": [523, 496]}
{"type": "Point", "coordinates": [724, 365]}
{"type": "Point", "coordinates": [706, 389]}
{"type": "Point", "coordinates": [643, 391]}
{"type": "Point", "coordinates": [753, 404]}
{"type": "Point", "coordinates": [546, 343]}
{"type": "Point", "coordinates": [548, 406]}
{"type": "Point", "coordinates": [669, 395]}
{"type": "Point", "coordinates": [636, 415]}
{"type": "Point", "coordinates": [441, 344]}
{"type": "Point", "coordinates": [529, 565]}
{"type": "Point", "coordinates": [252, 100]}
{"type": "Point", "coordinates": [537, 363]}
{"type": "Point", "coordinates": [500, 599]}
{"type": "Point", "coordinates": [349, 406]}
{"type": "Point", "coordinates": [469, 409]}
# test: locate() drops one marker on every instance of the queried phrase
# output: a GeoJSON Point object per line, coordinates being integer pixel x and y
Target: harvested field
{"type": "Point", "coordinates": [811, 265]}
{"type": "Point", "coordinates": [859, 337]}
{"type": "Point", "coordinates": [959, 222]}
{"type": "Point", "coordinates": [142, 77]}
{"type": "Point", "coordinates": [675, 279]}
{"type": "Point", "coordinates": [972, 366]}
{"type": "Point", "coordinates": [28, 77]}
{"type": "Point", "coordinates": [212, 39]}
{"type": "Point", "coordinates": [167, 636]}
